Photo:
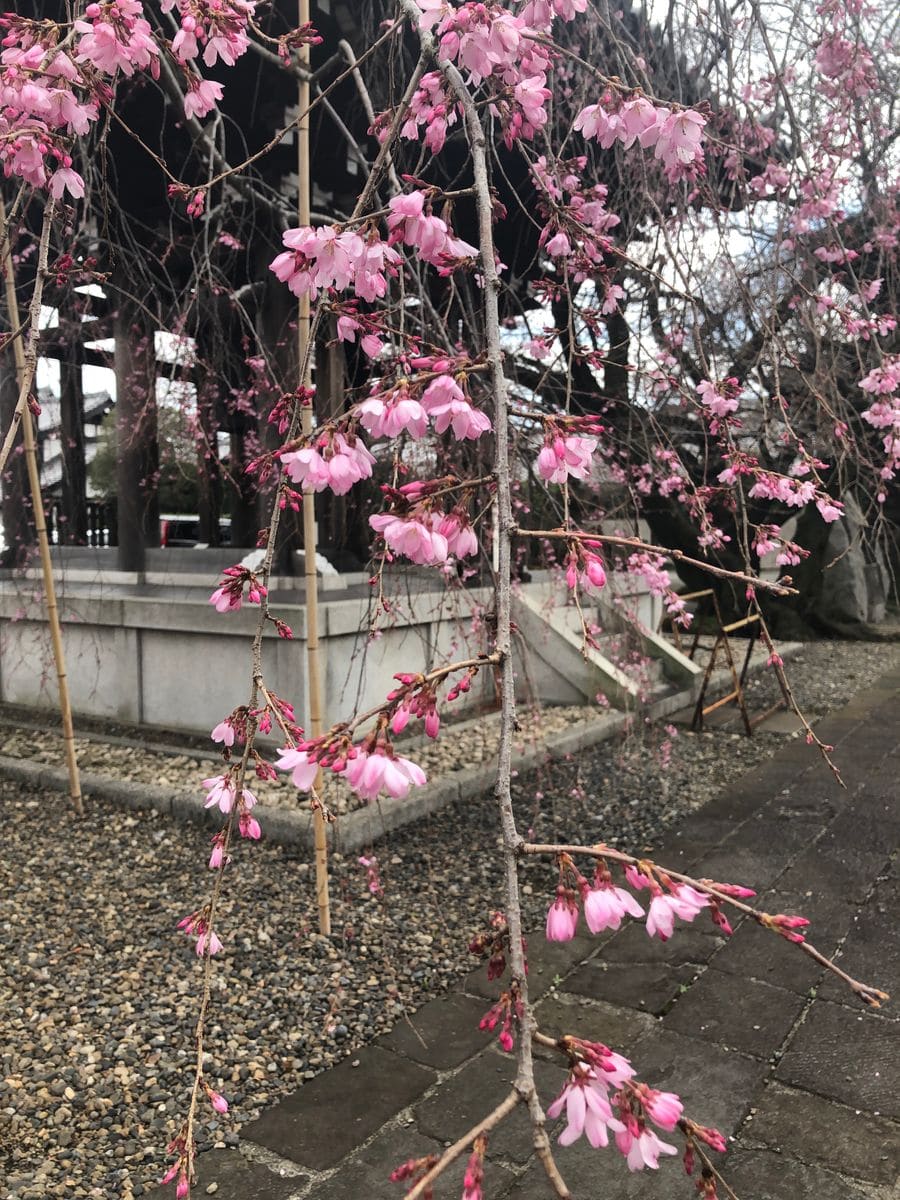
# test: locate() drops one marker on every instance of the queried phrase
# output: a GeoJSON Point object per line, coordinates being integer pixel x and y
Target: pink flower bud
{"type": "Point", "coordinates": [400, 720]}
{"type": "Point", "coordinates": [432, 723]}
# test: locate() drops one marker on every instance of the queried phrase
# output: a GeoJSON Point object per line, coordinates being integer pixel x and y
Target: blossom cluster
{"type": "Point", "coordinates": [606, 905]}
{"type": "Point", "coordinates": [369, 769]}
{"type": "Point", "coordinates": [489, 43]}
{"type": "Point", "coordinates": [425, 535]}
{"type": "Point", "coordinates": [883, 384]}
{"type": "Point", "coordinates": [565, 456]}
{"type": "Point", "coordinates": [52, 89]}
{"type": "Point", "coordinates": [601, 1081]}
{"type": "Point", "coordinates": [332, 258]}
{"type": "Point", "coordinates": [584, 567]}
{"type": "Point", "coordinates": [579, 224]}
{"type": "Point", "coordinates": [229, 595]}
{"type": "Point", "coordinates": [404, 406]}
{"type": "Point", "coordinates": [333, 459]}
{"type": "Point", "coordinates": [674, 135]}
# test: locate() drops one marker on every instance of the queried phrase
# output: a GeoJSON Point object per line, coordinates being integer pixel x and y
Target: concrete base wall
{"type": "Point", "coordinates": [160, 655]}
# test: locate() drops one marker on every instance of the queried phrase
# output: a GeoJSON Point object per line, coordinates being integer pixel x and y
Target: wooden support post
{"type": "Point", "coordinates": [26, 366]}
{"type": "Point", "coordinates": [313, 673]}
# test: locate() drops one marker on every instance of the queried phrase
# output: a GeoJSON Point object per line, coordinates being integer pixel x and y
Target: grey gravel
{"type": "Point", "coordinates": [99, 991]}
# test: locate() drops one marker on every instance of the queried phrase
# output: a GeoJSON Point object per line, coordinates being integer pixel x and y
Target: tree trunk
{"type": "Point", "coordinates": [73, 526]}
{"type": "Point", "coordinates": [18, 514]}
{"type": "Point", "coordinates": [137, 466]}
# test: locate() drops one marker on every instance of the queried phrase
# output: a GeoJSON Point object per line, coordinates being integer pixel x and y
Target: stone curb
{"type": "Point", "coordinates": [290, 827]}
{"type": "Point", "coordinates": [358, 829]}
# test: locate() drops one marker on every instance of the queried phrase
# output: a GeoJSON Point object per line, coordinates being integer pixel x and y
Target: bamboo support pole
{"type": "Point", "coordinates": [25, 371]}
{"type": "Point", "coordinates": [313, 666]}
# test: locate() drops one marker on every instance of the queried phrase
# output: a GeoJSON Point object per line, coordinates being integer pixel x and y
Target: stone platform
{"type": "Point", "coordinates": [756, 1038]}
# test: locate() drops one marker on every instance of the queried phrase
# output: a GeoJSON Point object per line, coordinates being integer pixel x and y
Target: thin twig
{"type": "Point", "coordinates": [633, 543]}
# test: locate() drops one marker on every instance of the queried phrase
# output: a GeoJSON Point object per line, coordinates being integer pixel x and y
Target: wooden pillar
{"type": "Point", "coordinates": [245, 523]}
{"type": "Point", "coordinates": [276, 327]}
{"type": "Point", "coordinates": [209, 469]}
{"type": "Point", "coordinates": [137, 448]}
{"type": "Point", "coordinates": [73, 525]}
{"type": "Point", "coordinates": [18, 514]}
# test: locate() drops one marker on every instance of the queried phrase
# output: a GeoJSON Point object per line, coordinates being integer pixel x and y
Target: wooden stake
{"type": "Point", "coordinates": [25, 371]}
{"type": "Point", "coordinates": [313, 668]}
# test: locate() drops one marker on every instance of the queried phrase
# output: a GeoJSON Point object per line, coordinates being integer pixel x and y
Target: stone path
{"type": "Point", "coordinates": [755, 1037]}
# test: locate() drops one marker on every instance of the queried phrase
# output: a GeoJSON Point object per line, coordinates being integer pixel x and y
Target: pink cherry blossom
{"type": "Point", "coordinates": [303, 771]}
{"type": "Point", "coordinates": [829, 510]}
{"type": "Point", "coordinates": [680, 139]}
{"type": "Point", "coordinates": [562, 917]}
{"type": "Point", "coordinates": [563, 457]}
{"type": "Point", "coordinates": [248, 826]}
{"type": "Point", "coordinates": [711, 398]}
{"type": "Point", "coordinates": [392, 414]}
{"type": "Point", "coordinates": [446, 404]}
{"type": "Point", "coordinates": [202, 97]}
{"type": "Point", "coordinates": [368, 774]}
{"type": "Point", "coordinates": [219, 791]}
{"type": "Point", "coordinates": [605, 906]}
{"type": "Point", "coordinates": [642, 1150]}
{"type": "Point", "coordinates": [219, 1103]}
{"type": "Point", "coordinates": [334, 462]}
{"type": "Point", "coordinates": [585, 569]}
{"type": "Point", "coordinates": [461, 539]}
{"type": "Point", "coordinates": [208, 943]}
{"type": "Point", "coordinates": [663, 1108]}
{"type": "Point", "coordinates": [413, 537]}
{"type": "Point", "coordinates": [115, 37]}
{"type": "Point", "coordinates": [558, 246]}
{"type": "Point", "coordinates": [223, 732]}
{"type": "Point", "coordinates": [588, 1111]}
{"type": "Point", "coordinates": [637, 879]}
{"type": "Point", "coordinates": [684, 902]}
{"type": "Point", "coordinates": [66, 180]}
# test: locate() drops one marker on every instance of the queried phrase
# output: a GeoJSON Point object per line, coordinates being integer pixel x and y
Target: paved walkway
{"type": "Point", "coordinates": [756, 1038]}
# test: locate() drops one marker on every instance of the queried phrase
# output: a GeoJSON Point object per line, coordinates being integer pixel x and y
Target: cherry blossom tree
{"type": "Point", "coordinates": [707, 330]}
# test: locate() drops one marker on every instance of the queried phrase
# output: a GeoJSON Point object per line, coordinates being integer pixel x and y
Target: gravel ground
{"type": "Point", "coordinates": [99, 991]}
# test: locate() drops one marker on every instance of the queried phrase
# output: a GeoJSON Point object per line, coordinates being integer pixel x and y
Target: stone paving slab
{"type": "Point", "coordinates": [848, 1055]}
{"type": "Point", "coordinates": [716, 1085]}
{"type": "Point", "coordinates": [233, 1177]}
{"type": "Point", "coordinates": [366, 1176]}
{"type": "Point", "coordinates": [820, 1131]}
{"type": "Point", "coordinates": [872, 952]}
{"type": "Point", "coordinates": [695, 943]}
{"type": "Point", "coordinates": [594, 1020]}
{"type": "Point", "coordinates": [330, 1116]}
{"type": "Point", "coordinates": [603, 1175]}
{"type": "Point", "coordinates": [755, 953]}
{"type": "Point", "coordinates": [648, 987]}
{"type": "Point", "coordinates": [441, 1034]}
{"type": "Point", "coordinates": [457, 1104]}
{"type": "Point", "coordinates": [766, 1175]}
{"type": "Point", "coordinates": [742, 1013]}
{"type": "Point", "coordinates": [548, 962]}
